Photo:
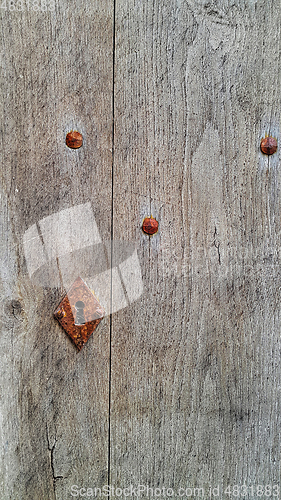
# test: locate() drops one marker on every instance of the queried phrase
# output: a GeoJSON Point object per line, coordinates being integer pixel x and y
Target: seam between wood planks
{"type": "Point", "coordinates": [112, 232]}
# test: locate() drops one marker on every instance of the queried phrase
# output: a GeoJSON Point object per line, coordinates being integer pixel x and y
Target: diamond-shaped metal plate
{"type": "Point", "coordinates": [79, 322]}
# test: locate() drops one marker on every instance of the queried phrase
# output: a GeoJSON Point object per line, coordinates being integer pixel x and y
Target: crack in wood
{"type": "Point", "coordinates": [217, 245]}
{"type": "Point", "coordinates": [51, 450]}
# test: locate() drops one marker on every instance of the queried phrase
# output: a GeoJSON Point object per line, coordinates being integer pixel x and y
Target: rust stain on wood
{"type": "Point", "coordinates": [79, 313]}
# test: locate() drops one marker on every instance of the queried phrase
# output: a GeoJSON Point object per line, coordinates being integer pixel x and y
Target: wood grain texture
{"type": "Point", "coordinates": [196, 361]}
{"type": "Point", "coordinates": [56, 75]}
{"type": "Point", "coordinates": [191, 393]}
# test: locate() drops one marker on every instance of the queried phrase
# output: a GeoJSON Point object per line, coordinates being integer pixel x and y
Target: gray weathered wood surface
{"type": "Point", "coordinates": [182, 387]}
{"type": "Point", "coordinates": [56, 76]}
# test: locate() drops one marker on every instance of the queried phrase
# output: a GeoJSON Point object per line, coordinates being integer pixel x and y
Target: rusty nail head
{"type": "Point", "coordinates": [269, 145]}
{"type": "Point", "coordinates": [74, 139]}
{"type": "Point", "coordinates": [150, 225]}
{"type": "Point", "coordinates": [60, 313]}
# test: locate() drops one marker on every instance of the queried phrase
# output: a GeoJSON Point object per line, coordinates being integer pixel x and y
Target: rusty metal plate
{"type": "Point", "coordinates": [79, 313]}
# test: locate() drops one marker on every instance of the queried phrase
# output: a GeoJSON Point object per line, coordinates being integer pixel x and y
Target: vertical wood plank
{"type": "Point", "coordinates": [196, 360]}
{"type": "Point", "coordinates": [56, 75]}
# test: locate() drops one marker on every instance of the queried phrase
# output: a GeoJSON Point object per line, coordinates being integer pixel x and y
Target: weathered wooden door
{"type": "Point", "coordinates": [178, 388]}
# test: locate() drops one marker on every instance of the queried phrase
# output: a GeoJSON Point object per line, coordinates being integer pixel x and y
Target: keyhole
{"type": "Point", "coordinates": [79, 306]}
